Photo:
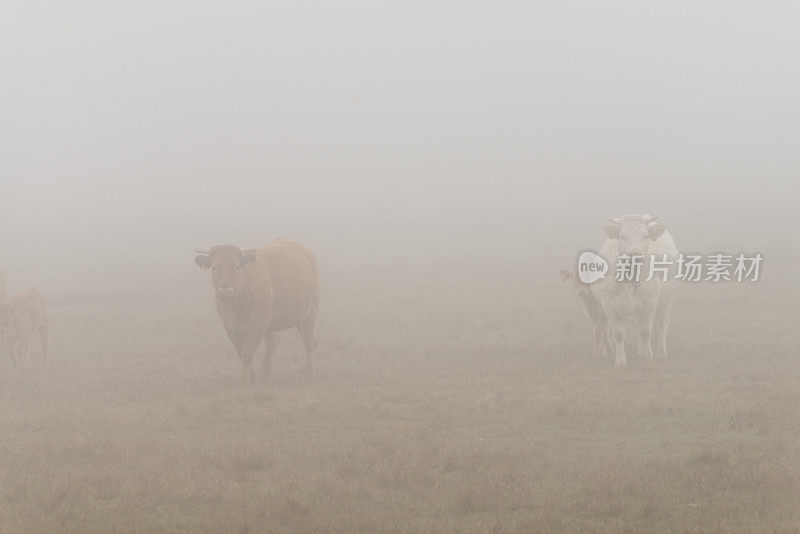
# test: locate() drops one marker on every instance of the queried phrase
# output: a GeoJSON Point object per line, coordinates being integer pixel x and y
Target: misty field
{"type": "Point", "coordinates": [449, 395]}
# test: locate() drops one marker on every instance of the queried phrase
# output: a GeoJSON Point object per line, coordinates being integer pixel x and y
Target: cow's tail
{"type": "Point", "coordinates": [314, 278]}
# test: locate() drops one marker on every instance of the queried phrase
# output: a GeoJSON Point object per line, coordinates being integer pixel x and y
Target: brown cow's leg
{"type": "Point", "coordinates": [45, 338]}
{"type": "Point", "coordinates": [26, 352]}
{"type": "Point", "coordinates": [11, 349]}
{"type": "Point", "coordinates": [249, 348]}
{"type": "Point", "coordinates": [237, 341]}
{"type": "Point", "coordinates": [270, 342]}
{"type": "Point", "coordinates": [308, 329]}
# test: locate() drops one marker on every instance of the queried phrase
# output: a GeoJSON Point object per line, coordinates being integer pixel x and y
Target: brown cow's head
{"type": "Point", "coordinates": [634, 233]}
{"type": "Point", "coordinates": [227, 264]}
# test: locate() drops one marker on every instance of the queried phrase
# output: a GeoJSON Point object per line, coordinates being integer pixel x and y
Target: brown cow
{"type": "Point", "coordinates": [22, 316]}
{"type": "Point", "coordinates": [261, 291]}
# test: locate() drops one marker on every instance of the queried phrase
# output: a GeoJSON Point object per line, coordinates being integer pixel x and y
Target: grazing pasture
{"type": "Point", "coordinates": [451, 394]}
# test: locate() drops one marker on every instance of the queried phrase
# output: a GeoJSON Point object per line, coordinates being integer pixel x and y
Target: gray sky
{"type": "Point", "coordinates": [147, 119]}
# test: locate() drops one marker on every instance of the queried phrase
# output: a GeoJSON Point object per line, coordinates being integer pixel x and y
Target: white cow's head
{"type": "Point", "coordinates": [634, 233]}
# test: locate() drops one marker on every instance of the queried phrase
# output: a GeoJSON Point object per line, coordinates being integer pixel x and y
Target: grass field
{"type": "Point", "coordinates": [449, 395]}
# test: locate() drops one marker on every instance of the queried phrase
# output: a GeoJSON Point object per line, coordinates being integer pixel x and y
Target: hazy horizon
{"type": "Point", "coordinates": [151, 121]}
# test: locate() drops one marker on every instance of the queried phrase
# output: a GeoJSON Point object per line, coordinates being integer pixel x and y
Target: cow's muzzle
{"type": "Point", "coordinates": [225, 292]}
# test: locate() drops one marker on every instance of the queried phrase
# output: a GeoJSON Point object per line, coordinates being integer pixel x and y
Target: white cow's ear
{"type": "Point", "coordinates": [655, 230]}
{"type": "Point", "coordinates": [611, 230]}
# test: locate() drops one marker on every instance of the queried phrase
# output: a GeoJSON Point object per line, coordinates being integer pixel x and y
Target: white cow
{"type": "Point", "coordinates": [645, 304]}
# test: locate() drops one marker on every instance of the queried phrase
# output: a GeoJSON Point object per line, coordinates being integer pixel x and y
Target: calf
{"type": "Point", "coordinates": [601, 336]}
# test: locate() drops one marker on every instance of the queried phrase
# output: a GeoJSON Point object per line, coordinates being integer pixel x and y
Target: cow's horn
{"type": "Point", "coordinates": [248, 250]}
{"type": "Point", "coordinates": [615, 221]}
{"type": "Point", "coordinates": [649, 219]}
{"type": "Point", "coordinates": [202, 252]}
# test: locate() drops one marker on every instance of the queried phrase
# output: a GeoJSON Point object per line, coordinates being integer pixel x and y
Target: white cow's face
{"type": "Point", "coordinates": [634, 234]}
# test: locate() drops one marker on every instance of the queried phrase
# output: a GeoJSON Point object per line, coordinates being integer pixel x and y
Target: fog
{"type": "Point", "coordinates": [412, 133]}
{"type": "Point", "coordinates": [120, 119]}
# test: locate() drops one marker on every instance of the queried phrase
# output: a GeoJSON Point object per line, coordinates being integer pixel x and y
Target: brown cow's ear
{"type": "Point", "coordinates": [655, 231]}
{"type": "Point", "coordinates": [248, 258]}
{"type": "Point", "coordinates": [203, 261]}
{"type": "Point", "coordinates": [611, 230]}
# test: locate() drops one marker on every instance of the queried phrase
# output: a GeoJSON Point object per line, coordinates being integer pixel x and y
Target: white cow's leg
{"type": "Point", "coordinates": [619, 346]}
{"type": "Point", "coordinates": [617, 328]}
{"type": "Point", "coordinates": [644, 326]}
{"type": "Point", "coordinates": [660, 326]}
{"type": "Point", "coordinates": [661, 319]}
{"type": "Point", "coordinates": [608, 341]}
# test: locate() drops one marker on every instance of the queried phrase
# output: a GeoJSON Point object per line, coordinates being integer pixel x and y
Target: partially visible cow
{"type": "Point", "coordinates": [645, 304]}
{"type": "Point", "coordinates": [3, 297]}
{"type": "Point", "coordinates": [261, 291]}
{"type": "Point", "coordinates": [3, 292]}
{"type": "Point", "coordinates": [24, 315]}
{"type": "Point", "coordinates": [601, 335]}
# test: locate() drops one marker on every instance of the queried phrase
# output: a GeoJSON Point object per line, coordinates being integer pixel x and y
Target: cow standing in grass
{"type": "Point", "coordinates": [261, 291]}
{"type": "Point", "coordinates": [645, 304]}
{"type": "Point", "coordinates": [24, 315]}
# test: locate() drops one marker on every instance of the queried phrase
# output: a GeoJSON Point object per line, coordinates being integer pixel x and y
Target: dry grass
{"type": "Point", "coordinates": [452, 397]}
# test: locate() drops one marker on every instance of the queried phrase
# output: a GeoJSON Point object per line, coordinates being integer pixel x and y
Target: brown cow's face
{"type": "Point", "coordinates": [227, 265]}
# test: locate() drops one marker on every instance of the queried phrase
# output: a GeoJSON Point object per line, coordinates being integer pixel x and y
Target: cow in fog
{"type": "Point", "coordinates": [645, 304]}
{"type": "Point", "coordinates": [601, 335]}
{"type": "Point", "coordinates": [259, 292]}
{"type": "Point", "coordinates": [24, 315]}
